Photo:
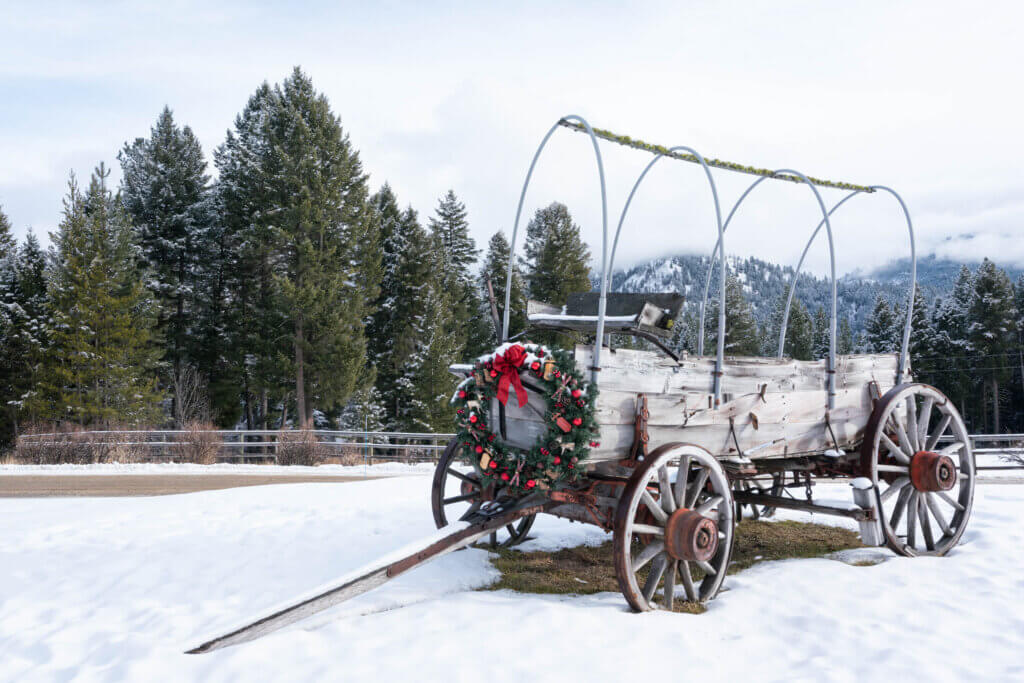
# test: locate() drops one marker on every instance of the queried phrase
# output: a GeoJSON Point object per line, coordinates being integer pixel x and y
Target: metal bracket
{"type": "Point", "coordinates": [640, 436]}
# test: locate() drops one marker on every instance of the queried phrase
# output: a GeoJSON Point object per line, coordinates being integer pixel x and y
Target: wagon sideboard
{"type": "Point", "coordinates": [770, 407]}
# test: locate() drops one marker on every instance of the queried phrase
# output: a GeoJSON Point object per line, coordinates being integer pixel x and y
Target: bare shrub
{"type": "Point", "coordinates": [70, 444]}
{"type": "Point", "coordinates": [346, 455]}
{"type": "Point", "coordinates": [300, 447]}
{"type": "Point", "coordinates": [199, 444]}
{"type": "Point", "coordinates": [191, 400]}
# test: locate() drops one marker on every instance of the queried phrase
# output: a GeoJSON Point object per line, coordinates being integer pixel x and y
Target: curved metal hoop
{"type": "Point", "coordinates": [830, 370]}
{"type": "Point", "coordinates": [604, 234]}
{"type": "Point", "coordinates": [606, 277]}
{"type": "Point", "coordinates": [905, 345]}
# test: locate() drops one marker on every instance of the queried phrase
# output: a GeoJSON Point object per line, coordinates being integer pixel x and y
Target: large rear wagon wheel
{"type": "Point", "coordinates": [456, 489]}
{"type": "Point", "coordinates": [917, 453]}
{"type": "Point", "coordinates": [674, 524]}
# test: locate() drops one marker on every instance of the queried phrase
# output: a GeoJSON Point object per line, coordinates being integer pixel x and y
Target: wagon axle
{"type": "Point", "coordinates": [932, 472]}
{"type": "Point", "coordinates": [691, 536]}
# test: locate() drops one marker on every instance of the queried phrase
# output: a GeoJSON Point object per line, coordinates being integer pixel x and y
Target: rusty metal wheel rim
{"type": "Point", "coordinates": [911, 422]}
{"type": "Point", "coordinates": [698, 484]}
{"type": "Point", "coordinates": [451, 487]}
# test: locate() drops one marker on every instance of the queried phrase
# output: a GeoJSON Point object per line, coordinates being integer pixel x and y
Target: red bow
{"type": "Point", "coordinates": [508, 365]}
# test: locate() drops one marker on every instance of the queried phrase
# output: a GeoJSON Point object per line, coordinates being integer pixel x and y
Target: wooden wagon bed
{"type": "Point", "coordinates": [770, 407]}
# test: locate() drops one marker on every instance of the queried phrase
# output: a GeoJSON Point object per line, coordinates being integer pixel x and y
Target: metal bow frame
{"type": "Point", "coordinates": [718, 255]}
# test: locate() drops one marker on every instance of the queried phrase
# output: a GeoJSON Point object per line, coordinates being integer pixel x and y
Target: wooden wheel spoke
{"type": "Point", "coordinates": [894, 450]}
{"type": "Point", "coordinates": [900, 507]}
{"type": "Point", "coordinates": [668, 501]}
{"type": "Point", "coordinates": [459, 499]}
{"type": "Point", "coordinates": [946, 497]}
{"type": "Point", "coordinates": [926, 526]}
{"type": "Point", "coordinates": [706, 566]}
{"type": "Point", "coordinates": [652, 505]}
{"type": "Point", "coordinates": [670, 584]}
{"type": "Point", "coordinates": [654, 578]}
{"type": "Point", "coordinates": [648, 529]}
{"type": "Point", "coordinates": [681, 476]}
{"type": "Point", "coordinates": [952, 448]}
{"type": "Point", "coordinates": [905, 444]}
{"type": "Point", "coordinates": [912, 422]}
{"type": "Point", "coordinates": [898, 469]}
{"type": "Point", "coordinates": [687, 577]}
{"type": "Point", "coordinates": [896, 487]}
{"type": "Point", "coordinates": [929, 500]}
{"type": "Point", "coordinates": [923, 421]}
{"type": "Point", "coordinates": [464, 477]}
{"type": "Point", "coordinates": [696, 488]}
{"type": "Point", "coordinates": [647, 554]}
{"type": "Point", "coordinates": [710, 503]}
{"type": "Point", "coordinates": [912, 520]}
{"type": "Point", "coordinates": [939, 430]}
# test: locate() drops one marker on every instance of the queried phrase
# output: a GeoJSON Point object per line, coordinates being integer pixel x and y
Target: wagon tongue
{"type": "Point", "coordinates": [474, 525]}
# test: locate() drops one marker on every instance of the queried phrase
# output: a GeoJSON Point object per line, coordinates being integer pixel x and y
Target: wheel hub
{"type": "Point", "coordinates": [691, 536]}
{"type": "Point", "coordinates": [930, 471]}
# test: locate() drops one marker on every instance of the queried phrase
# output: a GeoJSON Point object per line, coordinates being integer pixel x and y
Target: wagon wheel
{"type": "Point", "coordinates": [674, 520]}
{"type": "Point", "coordinates": [455, 491]}
{"type": "Point", "coordinates": [918, 455]}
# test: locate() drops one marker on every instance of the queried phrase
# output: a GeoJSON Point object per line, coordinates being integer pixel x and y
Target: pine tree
{"type": "Point", "coordinates": [555, 256]}
{"type": "Point", "coordinates": [364, 412]}
{"type": "Point", "coordinates": [425, 384]}
{"type": "Point", "coordinates": [495, 270]}
{"type": "Point", "coordinates": [922, 338]}
{"type": "Point", "coordinates": [741, 334]}
{"type": "Point", "coordinates": [450, 228]}
{"type": "Point", "coordinates": [320, 228]}
{"type": "Point", "coordinates": [255, 349]}
{"type": "Point", "coordinates": [881, 328]}
{"type": "Point", "coordinates": [29, 341]}
{"type": "Point", "coordinates": [819, 347]}
{"type": "Point", "coordinates": [952, 348]}
{"type": "Point", "coordinates": [799, 343]}
{"type": "Point", "coordinates": [165, 191]}
{"type": "Point", "coordinates": [845, 344]}
{"type": "Point", "coordinates": [101, 368]}
{"type": "Point", "coordinates": [993, 331]}
{"type": "Point", "coordinates": [8, 245]}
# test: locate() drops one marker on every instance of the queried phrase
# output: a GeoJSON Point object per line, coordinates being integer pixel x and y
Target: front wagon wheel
{"type": "Point", "coordinates": [674, 523]}
{"type": "Point", "coordinates": [457, 489]}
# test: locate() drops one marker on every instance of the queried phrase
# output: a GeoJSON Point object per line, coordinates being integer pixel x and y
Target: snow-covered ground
{"type": "Point", "coordinates": [116, 589]}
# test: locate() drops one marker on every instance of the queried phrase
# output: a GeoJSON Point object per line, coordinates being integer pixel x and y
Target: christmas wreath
{"type": "Point", "coordinates": [558, 452]}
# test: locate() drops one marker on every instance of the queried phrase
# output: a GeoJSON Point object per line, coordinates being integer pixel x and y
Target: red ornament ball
{"type": "Point", "coordinates": [494, 373]}
{"type": "Point", "coordinates": [504, 476]}
{"type": "Point", "coordinates": [479, 449]}
{"type": "Point", "coordinates": [558, 373]}
{"type": "Point", "coordinates": [530, 483]}
{"type": "Point", "coordinates": [535, 365]}
{"type": "Point", "coordinates": [558, 461]}
{"type": "Point", "coordinates": [577, 421]}
{"type": "Point", "coordinates": [494, 465]}
{"type": "Point", "coordinates": [473, 418]}
{"type": "Point", "coordinates": [462, 393]}
{"type": "Point", "coordinates": [490, 437]}
{"type": "Point", "coordinates": [544, 451]}
{"type": "Point", "coordinates": [594, 444]}
{"type": "Point", "coordinates": [576, 393]}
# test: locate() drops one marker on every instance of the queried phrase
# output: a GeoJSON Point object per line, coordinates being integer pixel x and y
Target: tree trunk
{"type": "Point", "coordinates": [995, 404]}
{"type": "Point", "coordinates": [264, 409]}
{"type": "Point", "coordinates": [300, 380]}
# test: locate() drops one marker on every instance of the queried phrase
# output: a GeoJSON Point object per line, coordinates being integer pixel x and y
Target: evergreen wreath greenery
{"type": "Point", "coordinates": [571, 427]}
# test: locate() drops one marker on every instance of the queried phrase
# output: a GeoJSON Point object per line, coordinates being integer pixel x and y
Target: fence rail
{"type": "Point", "coordinates": [262, 444]}
{"type": "Point", "coordinates": [237, 445]}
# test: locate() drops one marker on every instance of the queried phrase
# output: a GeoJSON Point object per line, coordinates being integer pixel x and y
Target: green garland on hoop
{"type": "Point", "coordinates": [559, 451]}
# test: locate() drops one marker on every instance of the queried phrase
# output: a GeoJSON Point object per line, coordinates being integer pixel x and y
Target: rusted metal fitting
{"type": "Point", "coordinates": [931, 471]}
{"type": "Point", "coordinates": [691, 536]}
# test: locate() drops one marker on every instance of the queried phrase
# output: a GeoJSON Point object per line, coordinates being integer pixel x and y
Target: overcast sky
{"type": "Point", "coordinates": [925, 97]}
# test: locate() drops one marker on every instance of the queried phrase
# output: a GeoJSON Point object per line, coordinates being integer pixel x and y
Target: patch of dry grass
{"type": "Point", "coordinates": [585, 570]}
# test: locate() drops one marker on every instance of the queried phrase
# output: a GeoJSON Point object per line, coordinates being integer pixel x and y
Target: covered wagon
{"type": "Point", "coordinates": [664, 450]}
